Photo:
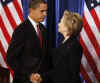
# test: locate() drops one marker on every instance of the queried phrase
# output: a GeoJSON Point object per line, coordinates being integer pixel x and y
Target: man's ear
{"type": "Point", "coordinates": [30, 9]}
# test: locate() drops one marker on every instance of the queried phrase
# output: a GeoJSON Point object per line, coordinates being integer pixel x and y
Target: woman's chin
{"type": "Point", "coordinates": [58, 30]}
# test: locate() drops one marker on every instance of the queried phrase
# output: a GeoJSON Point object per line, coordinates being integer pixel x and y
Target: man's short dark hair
{"type": "Point", "coordinates": [35, 3]}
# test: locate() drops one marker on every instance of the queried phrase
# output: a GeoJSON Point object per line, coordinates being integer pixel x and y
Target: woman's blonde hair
{"type": "Point", "coordinates": [73, 22]}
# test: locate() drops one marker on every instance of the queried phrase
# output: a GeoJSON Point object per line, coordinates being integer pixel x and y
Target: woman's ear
{"type": "Point", "coordinates": [66, 12]}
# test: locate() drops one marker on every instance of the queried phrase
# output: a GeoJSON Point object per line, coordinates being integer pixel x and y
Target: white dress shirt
{"type": "Point", "coordinates": [33, 23]}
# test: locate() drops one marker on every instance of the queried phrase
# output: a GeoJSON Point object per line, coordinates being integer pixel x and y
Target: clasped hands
{"type": "Point", "coordinates": [35, 78]}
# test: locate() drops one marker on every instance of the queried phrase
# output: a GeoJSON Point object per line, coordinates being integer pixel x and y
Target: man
{"type": "Point", "coordinates": [26, 54]}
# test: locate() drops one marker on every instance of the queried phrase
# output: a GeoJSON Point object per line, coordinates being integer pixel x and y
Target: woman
{"type": "Point", "coordinates": [67, 57]}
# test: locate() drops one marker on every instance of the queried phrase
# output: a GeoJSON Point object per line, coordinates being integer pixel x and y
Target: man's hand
{"type": "Point", "coordinates": [35, 78]}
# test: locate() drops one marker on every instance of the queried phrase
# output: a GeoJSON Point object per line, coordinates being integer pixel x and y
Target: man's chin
{"type": "Point", "coordinates": [41, 20]}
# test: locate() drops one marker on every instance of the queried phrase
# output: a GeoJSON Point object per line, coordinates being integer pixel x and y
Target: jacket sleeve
{"type": "Point", "coordinates": [15, 49]}
{"type": "Point", "coordinates": [74, 63]}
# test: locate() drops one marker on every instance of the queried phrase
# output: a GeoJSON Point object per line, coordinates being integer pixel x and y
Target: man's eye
{"type": "Point", "coordinates": [41, 10]}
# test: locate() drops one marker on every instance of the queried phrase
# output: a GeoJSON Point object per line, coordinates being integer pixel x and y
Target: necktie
{"type": "Point", "coordinates": [39, 34]}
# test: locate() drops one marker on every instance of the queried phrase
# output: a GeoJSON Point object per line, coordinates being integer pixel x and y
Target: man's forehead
{"type": "Point", "coordinates": [43, 5]}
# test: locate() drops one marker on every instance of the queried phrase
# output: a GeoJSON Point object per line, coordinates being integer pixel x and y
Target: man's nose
{"type": "Point", "coordinates": [45, 13]}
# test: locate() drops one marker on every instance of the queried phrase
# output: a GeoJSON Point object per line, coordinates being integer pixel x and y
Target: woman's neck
{"type": "Point", "coordinates": [66, 38]}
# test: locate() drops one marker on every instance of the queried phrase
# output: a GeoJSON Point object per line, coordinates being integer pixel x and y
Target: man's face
{"type": "Point", "coordinates": [38, 14]}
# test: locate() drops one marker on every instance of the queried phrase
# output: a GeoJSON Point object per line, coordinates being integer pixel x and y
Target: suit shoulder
{"type": "Point", "coordinates": [77, 48]}
{"type": "Point", "coordinates": [22, 27]}
{"type": "Point", "coordinates": [19, 31]}
{"type": "Point", "coordinates": [73, 43]}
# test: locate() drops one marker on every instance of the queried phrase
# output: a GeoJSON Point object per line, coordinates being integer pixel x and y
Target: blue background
{"type": "Point", "coordinates": [55, 12]}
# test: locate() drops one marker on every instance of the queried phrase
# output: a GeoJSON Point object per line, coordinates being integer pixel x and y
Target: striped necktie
{"type": "Point", "coordinates": [39, 34]}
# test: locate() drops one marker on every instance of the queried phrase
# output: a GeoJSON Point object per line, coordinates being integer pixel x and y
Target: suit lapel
{"type": "Point", "coordinates": [30, 30]}
{"type": "Point", "coordinates": [44, 36]}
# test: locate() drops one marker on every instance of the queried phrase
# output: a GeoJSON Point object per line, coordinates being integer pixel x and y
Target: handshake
{"type": "Point", "coordinates": [35, 78]}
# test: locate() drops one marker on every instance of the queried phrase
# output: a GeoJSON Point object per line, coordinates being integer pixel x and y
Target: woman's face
{"type": "Point", "coordinates": [61, 27]}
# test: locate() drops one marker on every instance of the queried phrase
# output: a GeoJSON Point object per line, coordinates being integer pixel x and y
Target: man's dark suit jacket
{"type": "Point", "coordinates": [66, 60]}
{"type": "Point", "coordinates": [24, 55]}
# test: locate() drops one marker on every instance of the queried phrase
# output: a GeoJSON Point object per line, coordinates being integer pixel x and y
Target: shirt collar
{"type": "Point", "coordinates": [33, 23]}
